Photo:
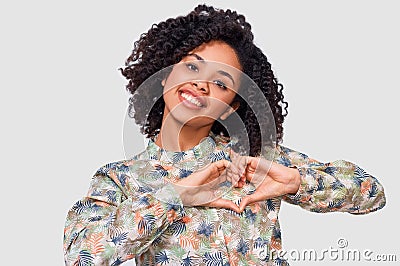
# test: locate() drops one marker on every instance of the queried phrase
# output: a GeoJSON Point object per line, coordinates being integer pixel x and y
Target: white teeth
{"type": "Point", "coordinates": [191, 99]}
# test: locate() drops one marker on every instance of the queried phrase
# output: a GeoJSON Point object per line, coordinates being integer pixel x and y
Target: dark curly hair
{"type": "Point", "coordinates": [167, 42]}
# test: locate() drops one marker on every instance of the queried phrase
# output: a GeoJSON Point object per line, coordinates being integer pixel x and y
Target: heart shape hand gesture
{"type": "Point", "coordinates": [270, 179]}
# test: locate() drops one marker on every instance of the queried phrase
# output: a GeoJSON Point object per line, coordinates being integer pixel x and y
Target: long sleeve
{"type": "Point", "coordinates": [118, 219]}
{"type": "Point", "coordinates": [334, 186]}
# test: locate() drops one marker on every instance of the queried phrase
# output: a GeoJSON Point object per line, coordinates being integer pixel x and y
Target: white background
{"type": "Point", "coordinates": [63, 105]}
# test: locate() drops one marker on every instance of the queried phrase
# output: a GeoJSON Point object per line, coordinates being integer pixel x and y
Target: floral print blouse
{"type": "Point", "coordinates": [133, 212]}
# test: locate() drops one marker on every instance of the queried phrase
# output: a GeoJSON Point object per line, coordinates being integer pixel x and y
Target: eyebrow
{"type": "Point", "coordinates": [224, 73]}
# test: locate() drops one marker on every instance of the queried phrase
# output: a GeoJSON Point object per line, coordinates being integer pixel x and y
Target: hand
{"type": "Point", "coordinates": [199, 188]}
{"type": "Point", "coordinates": [271, 180]}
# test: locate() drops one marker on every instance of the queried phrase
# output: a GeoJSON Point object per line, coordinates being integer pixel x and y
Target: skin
{"type": "Point", "coordinates": [192, 123]}
{"type": "Point", "coordinates": [271, 179]}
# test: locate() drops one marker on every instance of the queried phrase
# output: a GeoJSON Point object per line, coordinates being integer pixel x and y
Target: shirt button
{"type": "Point", "coordinates": [217, 242]}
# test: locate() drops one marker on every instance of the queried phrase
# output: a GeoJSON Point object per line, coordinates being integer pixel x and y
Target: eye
{"type": "Point", "coordinates": [192, 67]}
{"type": "Point", "coordinates": [220, 84]}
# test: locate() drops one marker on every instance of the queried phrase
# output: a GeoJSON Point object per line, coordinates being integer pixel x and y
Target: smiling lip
{"type": "Point", "coordinates": [191, 99]}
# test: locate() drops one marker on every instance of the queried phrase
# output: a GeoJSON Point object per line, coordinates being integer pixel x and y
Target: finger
{"type": "Point", "coordinates": [242, 164]}
{"type": "Point", "coordinates": [233, 174]}
{"type": "Point", "coordinates": [213, 171]}
{"type": "Point", "coordinates": [254, 164]}
{"type": "Point", "coordinates": [243, 203]}
{"type": "Point", "coordinates": [225, 204]}
{"type": "Point", "coordinates": [249, 199]}
{"type": "Point", "coordinates": [233, 168]}
{"type": "Point", "coordinates": [254, 175]}
{"type": "Point", "coordinates": [226, 176]}
{"type": "Point", "coordinates": [229, 177]}
{"type": "Point", "coordinates": [214, 168]}
{"type": "Point", "coordinates": [241, 183]}
{"type": "Point", "coordinates": [247, 168]}
{"type": "Point", "coordinates": [221, 164]}
{"type": "Point", "coordinates": [233, 179]}
{"type": "Point", "coordinates": [240, 167]}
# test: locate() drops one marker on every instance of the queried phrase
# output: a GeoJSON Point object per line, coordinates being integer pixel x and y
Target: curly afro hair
{"type": "Point", "coordinates": [167, 42]}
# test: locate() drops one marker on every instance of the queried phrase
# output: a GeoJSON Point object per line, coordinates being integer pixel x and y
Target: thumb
{"type": "Point", "coordinates": [225, 204]}
{"type": "Point", "coordinates": [249, 199]}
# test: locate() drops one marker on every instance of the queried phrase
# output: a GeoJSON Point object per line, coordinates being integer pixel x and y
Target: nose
{"type": "Point", "coordinates": [201, 85]}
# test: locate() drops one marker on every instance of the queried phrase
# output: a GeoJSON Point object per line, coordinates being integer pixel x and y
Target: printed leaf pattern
{"type": "Point", "coordinates": [95, 243]}
{"type": "Point", "coordinates": [133, 212]}
{"type": "Point", "coordinates": [85, 258]}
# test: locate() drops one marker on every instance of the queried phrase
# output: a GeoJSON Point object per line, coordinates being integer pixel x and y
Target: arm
{"type": "Point", "coordinates": [334, 186]}
{"type": "Point", "coordinates": [117, 220]}
{"type": "Point", "coordinates": [121, 218]}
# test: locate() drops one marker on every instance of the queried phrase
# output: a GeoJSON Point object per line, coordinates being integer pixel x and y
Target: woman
{"type": "Point", "coordinates": [171, 204]}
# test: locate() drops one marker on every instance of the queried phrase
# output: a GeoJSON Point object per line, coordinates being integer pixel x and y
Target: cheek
{"type": "Point", "coordinates": [168, 94]}
{"type": "Point", "coordinates": [225, 97]}
{"type": "Point", "coordinates": [218, 105]}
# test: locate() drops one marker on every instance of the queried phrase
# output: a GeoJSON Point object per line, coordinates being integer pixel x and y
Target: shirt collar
{"type": "Point", "coordinates": [198, 152]}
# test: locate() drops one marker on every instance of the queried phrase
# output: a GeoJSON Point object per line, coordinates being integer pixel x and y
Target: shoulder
{"type": "Point", "coordinates": [290, 152]}
{"type": "Point", "coordinates": [120, 174]}
{"type": "Point", "coordinates": [115, 181]}
{"type": "Point", "coordinates": [121, 166]}
{"type": "Point", "coordinates": [111, 166]}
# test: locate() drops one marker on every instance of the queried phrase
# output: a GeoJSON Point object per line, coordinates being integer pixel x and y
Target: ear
{"type": "Point", "coordinates": [233, 107]}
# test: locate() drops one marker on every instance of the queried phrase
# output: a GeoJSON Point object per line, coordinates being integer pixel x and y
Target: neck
{"type": "Point", "coordinates": [175, 137]}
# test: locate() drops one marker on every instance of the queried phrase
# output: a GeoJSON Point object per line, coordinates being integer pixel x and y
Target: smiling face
{"type": "Point", "coordinates": [202, 86]}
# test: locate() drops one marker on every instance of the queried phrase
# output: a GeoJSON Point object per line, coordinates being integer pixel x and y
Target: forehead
{"type": "Point", "coordinates": [218, 51]}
